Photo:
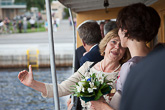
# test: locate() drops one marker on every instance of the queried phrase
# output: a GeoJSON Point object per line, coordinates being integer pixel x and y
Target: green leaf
{"type": "Point", "coordinates": [97, 84]}
{"type": "Point", "coordinates": [84, 83]}
{"type": "Point", "coordinates": [93, 75]}
{"type": "Point", "coordinates": [77, 94]}
{"type": "Point", "coordinates": [106, 90]}
{"type": "Point", "coordinates": [103, 85]}
{"type": "Point", "coordinates": [73, 86]}
{"type": "Point", "coordinates": [109, 81]}
{"type": "Point", "coordinates": [73, 89]}
{"type": "Point", "coordinates": [105, 77]}
{"type": "Point", "coordinates": [86, 95]}
{"type": "Point", "coordinates": [98, 95]}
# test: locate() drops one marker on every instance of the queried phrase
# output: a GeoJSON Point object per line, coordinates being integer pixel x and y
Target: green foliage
{"type": "Point", "coordinates": [28, 25]}
{"type": "Point", "coordinates": [66, 13]}
{"type": "Point", "coordinates": [42, 29]}
{"type": "Point", "coordinates": [39, 25]}
{"type": "Point", "coordinates": [91, 88]}
{"type": "Point", "coordinates": [98, 95]}
{"type": "Point", "coordinates": [40, 4]}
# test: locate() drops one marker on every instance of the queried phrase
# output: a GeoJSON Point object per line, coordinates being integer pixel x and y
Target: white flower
{"type": "Point", "coordinates": [78, 89]}
{"type": "Point", "coordinates": [87, 77]}
{"type": "Point", "coordinates": [83, 89]}
{"type": "Point", "coordinates": [94, 87]}
{"type": "Point", "coordinates": [80, 83]}
{"type": "Point", "coordinates": [91, 84]}
{"type": "Point", "coordinates": [90, 90]}
{"type": "Point", "coordinates": [101, 81]}
{"type": "Point", "coordinates": [83, 80]}
{"type": "Point", "coordinates": [100, 78]}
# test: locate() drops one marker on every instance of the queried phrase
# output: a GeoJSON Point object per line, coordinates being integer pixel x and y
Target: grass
{"type": "Point", "coordinates": [42, 29]}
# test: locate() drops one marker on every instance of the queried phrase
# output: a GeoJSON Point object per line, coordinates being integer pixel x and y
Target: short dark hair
{"type": "Point", "coordinates": [102, 22]}
{"type": "Point", "coordinates": [109, 26]}
{"type": "Point", "coordinates": [90, 33]}
{"type": "Point", "coordinates": [140, 21]}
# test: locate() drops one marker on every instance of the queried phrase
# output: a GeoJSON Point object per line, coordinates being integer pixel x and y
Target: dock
{"type": "Point", "coordinates": [13, 47]}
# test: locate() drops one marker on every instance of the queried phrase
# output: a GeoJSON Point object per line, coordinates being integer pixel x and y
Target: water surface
{"type": "Point", "coordinates": [15, 96]}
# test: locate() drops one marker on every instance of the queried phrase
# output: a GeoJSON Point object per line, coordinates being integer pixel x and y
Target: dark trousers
{"type": "Point", "coordinates": [77, 104]}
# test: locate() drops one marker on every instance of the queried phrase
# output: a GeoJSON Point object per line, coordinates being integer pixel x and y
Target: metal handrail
{"type": "Point", "coordinates": [52, 55]}
{"type": "Point", "coordinates": [74, 45]}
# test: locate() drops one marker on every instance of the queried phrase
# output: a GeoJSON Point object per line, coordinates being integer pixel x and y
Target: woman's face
{"type": "Point", "coordinates": [122, 37]}
{"type": "Point", "coordinates": [113, 50]}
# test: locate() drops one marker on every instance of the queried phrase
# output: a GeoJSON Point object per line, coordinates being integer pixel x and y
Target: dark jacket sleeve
{"type": "Point", "coordinates": [78, 55]}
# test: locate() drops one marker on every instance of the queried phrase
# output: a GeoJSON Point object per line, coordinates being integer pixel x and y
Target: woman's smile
{"type": "Point", "coordinates": [115, 53]}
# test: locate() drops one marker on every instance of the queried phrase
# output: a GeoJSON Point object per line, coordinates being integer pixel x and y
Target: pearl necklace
{"type": "Point", "coordinates": [102, 68]}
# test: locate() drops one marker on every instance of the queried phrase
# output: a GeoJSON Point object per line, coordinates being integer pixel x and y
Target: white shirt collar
{"type": "Point", "coordinates": [93, 47]}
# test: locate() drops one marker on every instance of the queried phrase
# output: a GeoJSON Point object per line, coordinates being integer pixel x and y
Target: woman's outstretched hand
{"type": "Point", "coordinates": [26, 77]}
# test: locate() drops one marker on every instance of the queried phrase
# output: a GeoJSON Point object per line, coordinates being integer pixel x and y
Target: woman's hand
{"type": "Point", "coordinates": [26, 77]}
{"type": "Point", "coordinates": [96, 105]}
{"type": "Point", "coordinates": [68, 102]}
{"type": "Point", "coordinates": [100, 105]}
{"type": "Point", "coordinates": [70, 107]}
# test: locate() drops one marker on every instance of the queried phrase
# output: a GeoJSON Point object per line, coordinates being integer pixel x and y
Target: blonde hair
{"type": "Point", "coordinates": [110, 35]}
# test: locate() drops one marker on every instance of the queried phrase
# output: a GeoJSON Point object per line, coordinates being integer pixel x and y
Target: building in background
{"type": "Point", "coordinates": [9, 9]}
{"type": "Point", "coordinates": [57, 10]}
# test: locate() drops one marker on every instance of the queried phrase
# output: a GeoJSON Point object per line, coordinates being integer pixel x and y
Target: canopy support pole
{"type": "Point", "coordinates": [74, 38]}
{"type": "Point", "coordinates": [52, 55]}
{"type": "Point", "coordinates": [74, 45]}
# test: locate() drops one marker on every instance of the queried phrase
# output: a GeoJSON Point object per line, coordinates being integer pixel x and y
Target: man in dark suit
{"type": "Point", "coordinates": [93, 55]}
{"type": "Point", "coordinates": [78, 54]}
{"type": "Point", "coordinates": [90, 35]}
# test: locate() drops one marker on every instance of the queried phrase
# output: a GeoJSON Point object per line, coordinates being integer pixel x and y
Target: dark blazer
{"type": "Point", "coordinates": [93, 55]}
{"type": "Point", "coordinates": [78, 54]}
{"type": "Point", "coordinates": [144, 88]}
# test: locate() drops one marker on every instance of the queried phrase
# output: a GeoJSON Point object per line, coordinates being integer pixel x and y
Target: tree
{"type": "Point", "coordinates": [40, 4]}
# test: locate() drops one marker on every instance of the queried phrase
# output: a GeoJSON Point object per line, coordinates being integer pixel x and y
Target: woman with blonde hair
{"type": "Point", "coordinates": [110, 47]}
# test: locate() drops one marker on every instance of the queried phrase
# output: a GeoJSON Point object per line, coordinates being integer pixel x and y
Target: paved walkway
{"type": "Point", "coordinates": [19, 43]}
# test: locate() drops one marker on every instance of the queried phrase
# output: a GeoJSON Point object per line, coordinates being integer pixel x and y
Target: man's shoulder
{"type": "Point", "coordinates": [80, 49]}
{"type": "Point", "coordinates": [93, 56]}
{"type": "Point", "coordinates": [94, 52]}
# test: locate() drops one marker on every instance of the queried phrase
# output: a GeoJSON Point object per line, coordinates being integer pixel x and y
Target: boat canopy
{"type": "Point", "coordinates": [88, 5]}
